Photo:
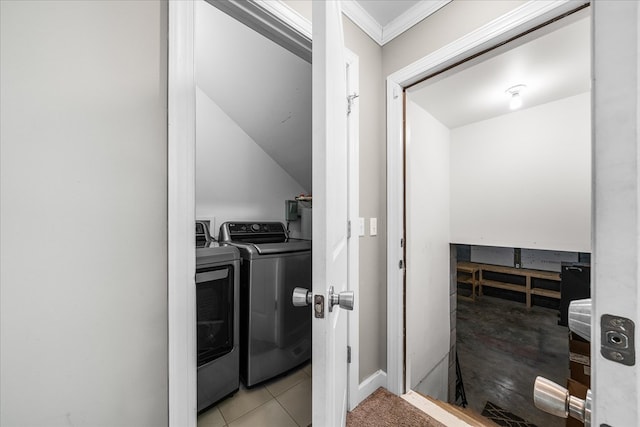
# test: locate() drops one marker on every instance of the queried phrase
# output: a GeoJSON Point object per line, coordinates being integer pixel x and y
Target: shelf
{"type": "Point", "coordinates": [471, 269]}
{"type": "Point", "coordinates": [468, 273]}
{"type": "Point", "coordinates": [545, 293]}
{"type": "Point", "coordinates": [503, 285]}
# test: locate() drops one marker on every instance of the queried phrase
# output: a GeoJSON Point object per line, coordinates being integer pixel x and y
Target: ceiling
{"type": "Point", "coordinates": [266, 89]}
{"type": "Point", "coordinates": [554, 66]}
{"type": "Point", "coordinates": [383, 20]}
{"type": "Point", "coordinates": [386, 11]}
{"type": "Point", "coordinates": [261, 86]}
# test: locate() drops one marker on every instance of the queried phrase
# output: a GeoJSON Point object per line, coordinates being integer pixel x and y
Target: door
{"type": "Point", "coordinates": [616, 219]}
{"type": "Point", "coordinates": [330, 231]}
{"type": "Point", "coordinates": [616, 190]}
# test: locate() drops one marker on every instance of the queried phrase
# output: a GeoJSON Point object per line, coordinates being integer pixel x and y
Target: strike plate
{"type": "Point", "coordinates": [318, 306]}
{"type": "Point", "coordinates": [617, 339]}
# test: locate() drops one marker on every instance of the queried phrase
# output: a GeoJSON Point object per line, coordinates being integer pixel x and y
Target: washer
{"type": "Point", "coordinates": [275, 336]}
{"type": "Point", "coordinates": [217, 307]}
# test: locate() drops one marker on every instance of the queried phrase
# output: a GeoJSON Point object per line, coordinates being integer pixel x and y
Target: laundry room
{"type": "Point", "coordinates": [253, 205]}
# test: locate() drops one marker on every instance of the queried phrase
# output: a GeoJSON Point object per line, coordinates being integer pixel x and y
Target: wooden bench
{"type": "Point", "coordinates": [467, 270]}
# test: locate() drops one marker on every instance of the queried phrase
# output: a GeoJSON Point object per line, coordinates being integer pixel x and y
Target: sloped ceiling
{"type": "Point", "coordinates": [264, 88]}
{"type": "Point", "coordinates": [553, 66]}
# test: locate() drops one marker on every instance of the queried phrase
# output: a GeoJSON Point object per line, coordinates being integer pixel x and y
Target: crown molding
{"type": "Point", "coordinates": [411, 17]}
{"type": "Point", "coordinates": [362, 19]}
{"type": "Point", "coordinates": [381, 35]}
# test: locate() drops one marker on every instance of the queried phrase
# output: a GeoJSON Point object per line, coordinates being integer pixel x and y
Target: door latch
{"type": "Point", "coordinates": [617, 339]}
{"type": "Point", "coordinates": [318, 306]}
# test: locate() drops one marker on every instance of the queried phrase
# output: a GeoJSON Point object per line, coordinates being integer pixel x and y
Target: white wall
{"type": "Point", "coordinates": [235, 179]}
{"type": "Point", "coordinates": [524, 179]}
{"type": "Point", "coordinates": [372, 249]}
{"type": "Point", "coordinates": [428, 254]}
{"type": "Point", "coordinates": [83, 240]}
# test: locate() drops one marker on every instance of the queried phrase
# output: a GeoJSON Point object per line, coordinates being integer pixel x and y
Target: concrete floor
{"type": "Point", "coordinates": [502, 347]}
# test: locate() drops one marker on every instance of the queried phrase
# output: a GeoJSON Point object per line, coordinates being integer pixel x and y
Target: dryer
{"type": "Point", "coordinates": [217, 307]}
{"type": "Point", "coordinates": [275, 336]}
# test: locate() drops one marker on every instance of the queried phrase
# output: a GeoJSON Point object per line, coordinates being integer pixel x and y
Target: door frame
{"type": "Point", "coordinates": [182, 370]}
{"type": "Point", "coordinates": [181, 190]}
{"type": "Point", "coordinates": [353, 140]}
{"type": "Point", "coordinates": [496, 32]}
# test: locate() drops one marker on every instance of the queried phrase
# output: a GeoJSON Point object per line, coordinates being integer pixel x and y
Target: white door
{"type": "Point", "coordinates": [329, 214]}
{"type": "Point", "coordinates": [616, 195]}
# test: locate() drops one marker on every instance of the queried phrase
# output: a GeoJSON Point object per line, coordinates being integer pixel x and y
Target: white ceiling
{"type": "Point", "coordinates": [266, 89]}
{"type": "Point", "coordinates": [263, 87]}
{"type": "Point", "coordinates": [385, 11]}
{"type": "Point", "coordinates": [383, 20]}
{"type": "Point", "coordinates": [554, 66]}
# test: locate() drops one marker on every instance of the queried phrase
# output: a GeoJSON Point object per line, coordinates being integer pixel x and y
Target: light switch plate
{"type": "Point", "coordinates": [373, 226]}
{"type": "Point", "coordinates": [360, 226]}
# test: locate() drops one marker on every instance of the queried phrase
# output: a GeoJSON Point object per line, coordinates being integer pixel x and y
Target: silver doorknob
{"type": "Point", "coordinates": [556, 400]}
{"type": "Point", "coordinates": [580, 317]}
{"type": "Point", "coordinates": [301, 297]}
{"type": "Point", "coordinates": [343, 299]}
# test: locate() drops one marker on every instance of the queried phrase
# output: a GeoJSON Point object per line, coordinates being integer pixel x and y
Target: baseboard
{"type": "Point", "coordinates": [371, 384]}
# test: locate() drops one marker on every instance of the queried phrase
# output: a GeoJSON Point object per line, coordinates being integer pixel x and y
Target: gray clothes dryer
{"type": "Point", "coordinates": [217, 308]}
{"type": "Point", "coordinates": [275, 336]}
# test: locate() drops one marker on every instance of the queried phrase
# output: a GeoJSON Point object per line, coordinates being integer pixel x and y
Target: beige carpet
{"type": "Point", "coordinates": [385, 409]}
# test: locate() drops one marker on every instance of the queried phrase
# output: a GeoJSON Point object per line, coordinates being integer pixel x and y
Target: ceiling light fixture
{"type": "Point", "coordinates": [516, 98]}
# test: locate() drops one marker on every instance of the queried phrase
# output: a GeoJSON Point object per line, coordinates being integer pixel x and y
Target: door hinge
{"type": "Point", "coordinates": [400, 264]}
{"type": "Point", "coordinates": [350, 100]}
{"type": "Point", "coordinates": [402, 243]}
{"type": "Point", "coordinates": [348, 354]}
{"type": "Point", "coordinates": [348, 229]}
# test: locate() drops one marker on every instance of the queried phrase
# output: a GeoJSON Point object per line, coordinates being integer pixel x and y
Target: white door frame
{"type": "Point", "coordinates": [181, 208]}
{"type": "Point", "coordinates": [181, 215]}
{"type": "Point", "coordinates": [353, 139]}
{"type": "Point", "coordinates": [616, 209]}
{"type": "Point", "coordinates": [518, 21]}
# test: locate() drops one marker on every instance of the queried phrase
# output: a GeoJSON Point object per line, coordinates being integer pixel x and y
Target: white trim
{"type": "Point", "coordinates": [181, 215]}
{"type": "Point", "coordinates": [525, 17]}
{"type": "Point", "coordinates": [395, 227]}
{"type": "Point", "coordinates": [500, 29]}
{"type": "Point", "coordinates": [411, 17]}
{"type": "Point", "coordinates": [384, 34]}
{"type": "Point", "coordinates": [353, 139]}
{"type": "Point", "coordinates": [436, 412]}
{"type": "Point", "coordinates": [283, 12]}
{"type": "Point", "coordinates": [370, 384]}
{"type": "Point", "coordinates": [362, 19]}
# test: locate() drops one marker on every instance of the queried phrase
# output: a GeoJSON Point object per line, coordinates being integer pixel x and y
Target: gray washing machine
{"type": "Point", "coordinates": [217, 308]}
{"type": "Point", "coordinates": [275, 336]}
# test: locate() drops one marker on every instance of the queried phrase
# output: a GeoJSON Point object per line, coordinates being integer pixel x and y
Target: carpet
{"type": "Point", "coordinates": [503, 417]}
{"type": "Point", "coordinates": [384, 409]}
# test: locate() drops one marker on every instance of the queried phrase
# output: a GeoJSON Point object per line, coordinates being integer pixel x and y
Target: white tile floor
{"type": "Point", "coordinates": [283, 402]}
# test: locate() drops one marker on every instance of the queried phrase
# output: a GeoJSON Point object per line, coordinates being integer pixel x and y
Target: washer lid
{"type": "Point", "coordinates": [279, 248]}
{"type": "Point", "coordinates": [216, 254]}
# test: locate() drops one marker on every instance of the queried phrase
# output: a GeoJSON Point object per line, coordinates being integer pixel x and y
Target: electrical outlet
{"type": "Point", "coordinates": [373, 226]}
